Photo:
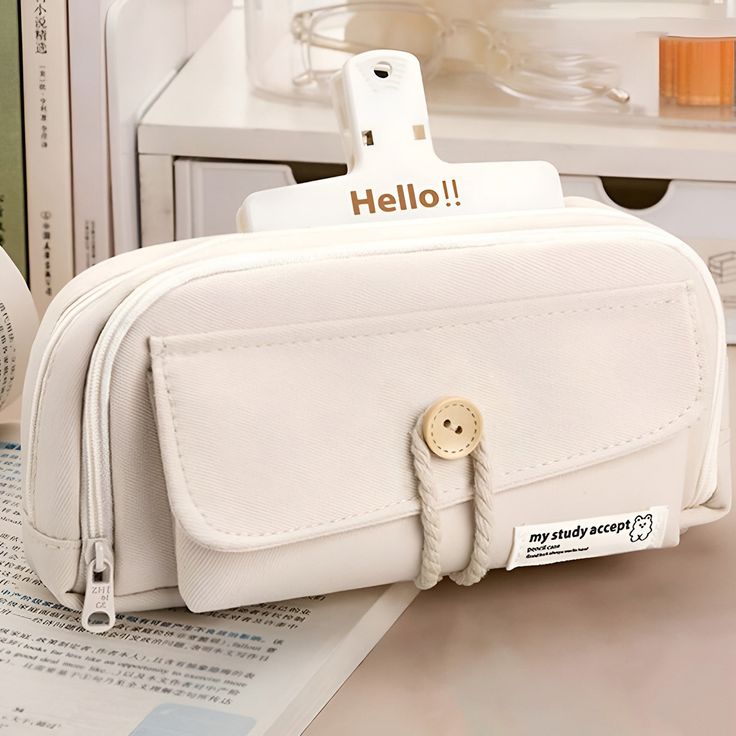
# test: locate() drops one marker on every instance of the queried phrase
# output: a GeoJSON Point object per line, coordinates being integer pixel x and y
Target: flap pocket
{"type": "Point", "coordinates": [285, 433]}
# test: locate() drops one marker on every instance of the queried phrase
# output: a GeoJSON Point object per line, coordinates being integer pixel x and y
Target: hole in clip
{"type": "Point", "coordinates": [367, 137]}
{"type": "Point", "coordinates": [382, 69]}
{"type": "Point", "coordinates": [98, 619]}
{"type": "Point", "coordinates": [419, 132]}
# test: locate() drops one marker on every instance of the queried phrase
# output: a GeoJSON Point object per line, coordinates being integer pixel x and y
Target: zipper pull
{"type": "Point", "coordinates": [98, 611]}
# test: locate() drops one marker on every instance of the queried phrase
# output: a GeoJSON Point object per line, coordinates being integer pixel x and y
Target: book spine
{"type": "Point", "coordinates": [12, 183]}
{"type": "Point", "coordinates": [47, 147]}
{"type": "Point", "coordinates": [90, 171]}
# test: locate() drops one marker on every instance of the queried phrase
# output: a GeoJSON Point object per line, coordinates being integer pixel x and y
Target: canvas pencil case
{"type": "Point", "coordinates": [263, 416]}
{"type": "Point", "coordinates": [229, 420]}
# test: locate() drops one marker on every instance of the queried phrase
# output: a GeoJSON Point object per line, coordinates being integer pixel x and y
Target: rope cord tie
{"type": "Point", "coordinates": [430, 572]}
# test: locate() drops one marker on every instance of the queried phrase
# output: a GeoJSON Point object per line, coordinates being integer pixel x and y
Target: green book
{"type": "Point", "coordinates": [12, 182]}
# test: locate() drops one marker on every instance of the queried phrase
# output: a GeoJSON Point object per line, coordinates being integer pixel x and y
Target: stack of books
{"type": "Point", "coordinates": [62, 120]}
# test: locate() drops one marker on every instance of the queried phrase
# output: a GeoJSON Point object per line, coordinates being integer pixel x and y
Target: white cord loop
{"type": "Point", "coordinates": [430, 572]}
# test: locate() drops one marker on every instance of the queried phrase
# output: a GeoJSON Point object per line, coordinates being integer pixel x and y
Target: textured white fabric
{"type": "Point", "coordinates": [274, 435]}
{"type": "Point", "coordinates": [593, 355]}
{"type": "Point", "coordinates": [391, 551]}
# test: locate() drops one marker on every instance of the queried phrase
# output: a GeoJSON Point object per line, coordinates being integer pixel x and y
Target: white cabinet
{"type": "Point", "coordinates": [207, 194]}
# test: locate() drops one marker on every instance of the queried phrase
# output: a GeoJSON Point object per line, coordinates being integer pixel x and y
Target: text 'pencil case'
{"type": "Point", "coordinates": [257, 417]}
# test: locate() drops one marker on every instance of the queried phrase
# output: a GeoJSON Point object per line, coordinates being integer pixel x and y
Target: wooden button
{"type": "Point", "coordinates": [452, 427]}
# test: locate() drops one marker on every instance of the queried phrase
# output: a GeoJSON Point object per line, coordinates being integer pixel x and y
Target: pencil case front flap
{"type": "Point", "coordinates": [286, 448]}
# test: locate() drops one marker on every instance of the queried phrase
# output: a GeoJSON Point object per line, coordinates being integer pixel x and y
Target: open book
{"type": "Point", "coordinates": [265, 669]}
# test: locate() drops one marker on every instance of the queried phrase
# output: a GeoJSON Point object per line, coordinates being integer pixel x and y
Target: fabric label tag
{"type": "Point", "coordinates": [543, 544]}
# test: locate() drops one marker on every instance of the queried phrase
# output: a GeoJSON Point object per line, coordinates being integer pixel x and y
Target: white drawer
{"type": "Point", "coordinates": [209, 193]}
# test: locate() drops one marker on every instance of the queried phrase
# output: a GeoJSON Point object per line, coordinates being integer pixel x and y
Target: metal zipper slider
{"type": "Point", "coordinates": [98, 611]}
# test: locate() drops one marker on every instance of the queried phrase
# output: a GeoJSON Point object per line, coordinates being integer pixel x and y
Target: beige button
{"type": "Point", "coordinates": [452, 427]}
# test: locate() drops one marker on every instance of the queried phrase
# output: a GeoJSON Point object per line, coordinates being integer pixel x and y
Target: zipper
{"type": "Point", "coordinates": [98, 611]}
{"type": "Point", "coordinates": [58, 331]}
{"type": "Point", "coordinates": [97, 487]}
{"type": "Point", "coordinates": [55, 338]}
{"type": "Point", "coordinates": [101, 575]}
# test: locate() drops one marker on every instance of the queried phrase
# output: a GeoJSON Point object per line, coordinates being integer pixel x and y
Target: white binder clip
{"type": "Point", "coordinates": [393, 171]}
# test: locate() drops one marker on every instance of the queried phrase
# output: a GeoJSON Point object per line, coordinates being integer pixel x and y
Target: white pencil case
{"type": "Point", "coordinates": [232, 420]}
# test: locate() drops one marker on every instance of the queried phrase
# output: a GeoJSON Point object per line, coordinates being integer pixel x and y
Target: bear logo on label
{"type": "Point", "coordinates": [641, 528]}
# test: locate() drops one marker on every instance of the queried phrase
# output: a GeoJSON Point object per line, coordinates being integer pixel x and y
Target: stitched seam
{"type": "Point", "coordinates": [40, 538]}
{"type": "Point", "coordinates": [695, 335]}
{"type": "Point", "coordinates": [165, 356]}
{"type": "Point", "coordinates": [699, 358]}
{"type": "Point", "coordinates": [605, 447]}
{"type": "Point", "coordinates": [434, 328]}
{"type": "Point", "coordinates": [74, 546]}
{"type": "Point", "coordinates": [696, 398]}
{"type": "Point", "coordinates": [208, 519]}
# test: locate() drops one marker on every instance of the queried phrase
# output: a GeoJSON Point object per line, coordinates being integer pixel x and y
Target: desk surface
{"type": "Point", "coordinates": [632, 644]}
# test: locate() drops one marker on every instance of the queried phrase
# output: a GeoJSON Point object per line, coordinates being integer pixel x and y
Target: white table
{"type": "Point", "coordinates": [633, 644]}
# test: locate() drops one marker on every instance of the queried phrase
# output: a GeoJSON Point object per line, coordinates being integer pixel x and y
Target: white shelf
{"type": "Point", "coordinates": [209, 111]}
